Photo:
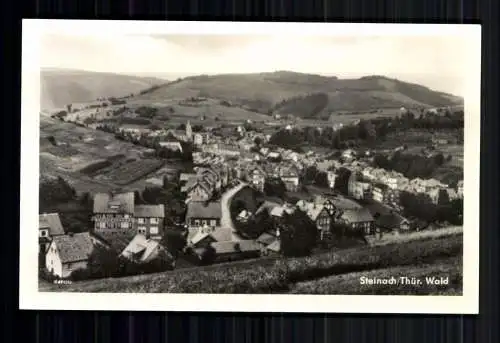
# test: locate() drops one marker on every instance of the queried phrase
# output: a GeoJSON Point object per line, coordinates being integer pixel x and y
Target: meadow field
{"type": "Point", "coordinates": [424, 256]}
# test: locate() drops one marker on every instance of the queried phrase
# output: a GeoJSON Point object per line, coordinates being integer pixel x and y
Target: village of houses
{"type": "Point", "coordinates": [227, 167]}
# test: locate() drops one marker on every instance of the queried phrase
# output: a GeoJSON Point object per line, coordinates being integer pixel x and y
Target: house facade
{"type": "Point", "coordinates": [67, 253]}
{"type": "Point", "coordinates": [361, 190]}
{"type": "Point", "coordinates": [149, 221]}
{"type": "Point", "coordinates": [199, 191]}
{"type": "Point", "coordinates": [379, 192]}
{"type": "Point", "coordinates": [113, 213]}
{"type": "Point", "coordinates": [203, 216]}
{"type": "Point", "coordinates": [331, 177]}
{"type": "Point", "coordinates": [257, 177]}
{"type": "Point", "coordinates": [289, 175]}
{"type": "Point", "coordinates": [117, 215]}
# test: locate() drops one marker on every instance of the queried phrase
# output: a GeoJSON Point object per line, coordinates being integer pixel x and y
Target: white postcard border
{"type": "Point", "coordinates": [30, 298]}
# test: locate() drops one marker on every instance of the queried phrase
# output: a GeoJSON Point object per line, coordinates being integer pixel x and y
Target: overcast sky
{"type": "Point", "coordinates": [436, 62]}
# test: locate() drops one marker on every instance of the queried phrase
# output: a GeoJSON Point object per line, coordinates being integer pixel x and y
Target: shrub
{"type": "Point", "coordinates": [44, 274]}
{"type": "Point", "coordinates": [80, 274]}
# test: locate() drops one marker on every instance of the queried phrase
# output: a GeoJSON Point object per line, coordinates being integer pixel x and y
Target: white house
{"type": "Point", "coordinates": [68, 253]}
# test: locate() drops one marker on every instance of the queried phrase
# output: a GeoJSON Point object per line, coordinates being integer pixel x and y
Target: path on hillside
{"type": "Point", "coordinates": [226, 220]}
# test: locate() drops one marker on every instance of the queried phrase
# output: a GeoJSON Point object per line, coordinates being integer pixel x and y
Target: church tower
{"type": "Point", "coordinates": [189, 131]}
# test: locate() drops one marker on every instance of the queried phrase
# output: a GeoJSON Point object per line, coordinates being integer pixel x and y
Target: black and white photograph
{"type": "Point", "coordinates": [250, 166]}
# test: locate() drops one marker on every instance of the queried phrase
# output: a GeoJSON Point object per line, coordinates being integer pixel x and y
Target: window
{"type": "Point", "coordinates": [153, 220]}
{"type": "Point", "coordinates": [102, 225]}
{"type": "Point", "coordinates": [124, 225]}
{"type": "Point", "coordinates": [126, 216]}
{"type": "Point", "coordinates": [140, 220]}
{"type": "Point", "coordinates": [203, 222]}
{"type": "Point", "coordinates": [213, 222]}
{"type": "Point", "coordinates": [153, 230]}
{"type": "Point", "coordinates": [44, 233]}
{"type": "Point", "coordinates": [142, 230]}
{"type": "Point", "coordinates": [69, 265]}
{"type": "Point", "coordinates": [197, 222]}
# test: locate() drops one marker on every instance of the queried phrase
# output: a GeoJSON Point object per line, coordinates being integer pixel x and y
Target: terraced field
{"type": "Point", "coordinates": [79, 149]}
{"type": "Point", "coordinates": [131, 171]}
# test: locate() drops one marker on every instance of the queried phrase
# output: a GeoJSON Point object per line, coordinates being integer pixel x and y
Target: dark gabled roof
{"type": "Point", "coordinates": [74, 247]}
{"type": "Point", "coordinates": [117, 242]}
{"type": "Point", "coordinates": [390, 221]}
{"type": "Point", "coordinates": [148, 211]}
{"type": "Point", "coordinates": [102, 201]}
{"type": "Point", "coordinates": [52, 222]}
{"type": "Point", "coordinates": [357, 215]}
{"type": "Point", "coordinates": [201, 209]}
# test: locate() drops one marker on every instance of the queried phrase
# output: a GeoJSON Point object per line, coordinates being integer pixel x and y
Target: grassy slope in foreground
{"type": "Point", "coordinates": [280, 276]}
{"type": "Point", "coordinates": [350, 283]}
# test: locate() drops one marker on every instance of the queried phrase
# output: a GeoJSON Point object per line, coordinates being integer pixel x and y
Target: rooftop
{"type": "Point", "coordinates": [74, 247]}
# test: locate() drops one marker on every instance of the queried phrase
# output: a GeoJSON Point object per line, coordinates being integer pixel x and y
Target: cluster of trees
{"type": "Point", "coordinates": [135, 121]}
{"type": "Point", "coordinates": [366, 131]}
{"type": "Point", "coordinates": [306, 106]}
{"type": "Point", "coordinates": [314, 176]}
{"type": "Point", "coordinates": [150, 89]}
{"type": "Point", "coordinates": [298, 233]}
{"type": "Point", "coordinates": [170, 195]}
{"type": "Point", "coordinates": [421, 206]}
{"type": "Point", "coordinates": [146, 112]}
{"type": "Point", "coordinates": [59, 196]}
{"type": "Point", "coordinates": [411, 166]}
{"type": "Point", "coordinates": [342, 180]}
{"type": "Point", "coordinates": [115, 101]}
{"type": "Point", "coordinates": [274, 187]}
{"type": "Point", "coordinates": [53, 192]}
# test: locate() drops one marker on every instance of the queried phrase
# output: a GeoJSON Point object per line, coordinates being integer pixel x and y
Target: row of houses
{"type": "Point", "coordinates": [63, 253]}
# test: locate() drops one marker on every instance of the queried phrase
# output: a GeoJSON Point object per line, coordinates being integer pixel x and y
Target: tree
{"type": "Point", "coordinates": [342, 180]}
{"type": "Point", "coordinates": [258, 141]}
{"type": "Point", "coordinates": [175, 241]}
{"type": "Point", "coordinates": [103, 263]}
{"type": "Point", "coordinates": [322, 179]}
{"type": "Point", "coordinates": [310, 174]}
{"type": "Point", "coordinates": [274, 187]}
{"type": "Point", "coordinates": [86, 200]}
{"type": "Point", "coordinates": [439, 159]}
{"type": "Point", "coordinates": [208, 256]}
{"type": "Point", "coordinates": [298, 234]}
